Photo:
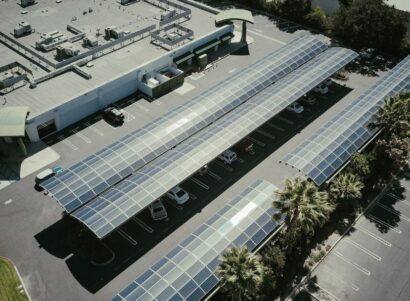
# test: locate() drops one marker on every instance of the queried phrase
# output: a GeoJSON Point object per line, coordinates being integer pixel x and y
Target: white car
{"type": "Point", "coordinates": [228, 157]}
{"type": "Point", "coordinates": [44, 175]}
{"type": "Point", "coordinates": [322, 89]}
{"type": "Point", "coordinates": [295, 107]}
{"type": "Point", "coordinates": [328, 82]}
{"type": "Point", "coordinates": [158, 211]}
{"type": "Point", "coordinates": [178, 195]}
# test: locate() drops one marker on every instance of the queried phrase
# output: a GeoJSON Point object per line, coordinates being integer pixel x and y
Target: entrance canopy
{"type": "Point", "coordinates": [13, 121]}
{"type": "Point", "coordinates": [234, 14]}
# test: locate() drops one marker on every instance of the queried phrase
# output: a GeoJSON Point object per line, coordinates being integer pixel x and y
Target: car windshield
{"type": "Point", "coordinates": [158, 210]}
{"type": "Point", "coordinates": [180, 193]}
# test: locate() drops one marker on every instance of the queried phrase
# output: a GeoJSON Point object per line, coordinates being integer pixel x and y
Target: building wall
{"type": "Point", "coordinates": [82, 106]}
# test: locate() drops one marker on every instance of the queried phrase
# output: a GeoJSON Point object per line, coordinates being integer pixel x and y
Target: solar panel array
{"type": "Point", "coordinates": [188, 271]}
{"type": "Point", "coordinates": [331, 146]}
{"type": "Point", "coordinates": [85, 180]}
{"type": "Point", "coordinates": [117, 205]}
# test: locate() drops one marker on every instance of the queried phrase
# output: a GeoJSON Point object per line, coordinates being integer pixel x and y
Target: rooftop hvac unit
{"type": "Point", "coordinates": [67, 50]}
{"type": "Point", "coordinates": [108, 31]}
{"type": "Point", "coordinates": [116, 33]}
{"type": "Point", "coordinates": [22, 29]}
{"type": "Point", "coordinates": [90, 42]}
{"type": "Point", "coordinates": [25, 3]}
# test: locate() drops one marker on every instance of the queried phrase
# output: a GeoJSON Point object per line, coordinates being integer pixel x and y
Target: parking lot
{"type": "Point", "coordinates": [372, 261]}
{"type": "Point", "coordinates": [136, 237]}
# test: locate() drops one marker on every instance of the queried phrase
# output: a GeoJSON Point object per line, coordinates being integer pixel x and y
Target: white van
{"type": "Point", "coordinates": [228, 157]}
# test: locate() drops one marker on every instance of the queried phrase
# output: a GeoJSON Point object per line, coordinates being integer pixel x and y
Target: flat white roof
{"type": "Point", "coordinates": [400, 4]}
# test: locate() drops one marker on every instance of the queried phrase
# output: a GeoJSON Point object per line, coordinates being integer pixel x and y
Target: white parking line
{"type": "Point", "coordinates": [324, 290]}
{"type": "Point", "coordinates": [266, 134]}
{"type": "Point", "coordinates": [176, 206]}
{"type": "Point", "coordinates": [143, 225]}
{"type": "Point", "coordinates": [361, 248]}
{"type": "Point", "coordinates": [139, 105]}
{"type": "Point", "coordinates": [66, 142]}
{"type": "Point", "coordinates": [199, 183]}
{"type": "Point", "coordinates": [381, 222]}
{"type": "Point", "coordinates": [157, 102]}
{"type": "Point", "coordinates": [224, 166]}
{"type": "Point", "coordinates": [8, 202]}
{"type": "Point", "coordinates": [127, 237]}
{"type": "Point", "coordinates": [395, 212]}
{"type": "Point", "coordinates": [256, 141]}
{"type": "Point", "coordinates": [284, 120]}
{"type": "Point", "coordinates": [383, 241]}
{"type": "Point", "coordinates": [275, 127]}
{"type": "Point", "coordinates": [214, 175]}
{"type": "Point", "coordinates": [233, 70]}
{"type": "Point", "coordinates": [401, 200]}
{"type": "Point", "coordinates": [354, 264]}
{"type": "Point", "coordinates": [81, 136]}
{"type": "Point", "coordinates": [240, 160]}
{"type": "Point", "coordinates": [94, 129]}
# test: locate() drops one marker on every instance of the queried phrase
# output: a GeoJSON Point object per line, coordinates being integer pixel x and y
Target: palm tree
{"type": "Point", "coordinates": [393, 117]}
{"type": "Point", "coordinates": [241, 273]}
{"type": "Point", "coordinates": [346, 186]}
{"type": "Point", "coordinates": [303, 206]}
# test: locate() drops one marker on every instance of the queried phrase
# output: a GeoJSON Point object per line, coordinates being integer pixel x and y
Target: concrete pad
{"type": "Point", "coordinates": [185, 88]}
{"type": "Point", "coordinates": [38, 161]}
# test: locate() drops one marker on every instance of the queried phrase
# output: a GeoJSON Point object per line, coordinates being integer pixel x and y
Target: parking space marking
{"type": "Point", "coordinates": [157, 102]}
{"type": "Point", "coordinates": [127, 237]}
{"type": "Point", "coordinates": [381, 222]}
{"type": "Point", "coordinates": [127, 115]}
{"type": "Point", "coordinates": [383, 241]}
{"type": "Point", "coordinates": [274, 126]}
{"type": "Point", "coordinates": [361, 248]}
{"type": "Point", "coordinates": [224, 166]}
{"type": "Point", "coordinates": [395, 212]}
{"type": "Point", "coordinates": [266, 134]}
{"type": "Point", "coordinates": [256, 141]}
{"type": "Point", "coordinates": [324, 290]}
{"type": "Point", "coordinates": [233, 70]}
{"type": "Point", "coordinates": [81, 136]}
{"type": "Point", "coordinates": [214, 175]}
{"type": "Point", "coordinates": [176, 206]}
{"type": "Point", "coordinates": [94, 129]}
{"type": "Point", "coordinates": [398, 198]}
{"type": "Point", "coordinates": [354, 264]}
{"type": "Point", "coordinates": [240, 160]}
{"type": "Point", "coordinates": [336, 275]}
{"type": "Point", "coordinates": [8, 202]}
{"type": "Point", "coordinates": [284, 120]}
{"type": "Point", "coordinates": [66, 142]}
{"type": "Point", "coordinates": [139, 105]}
{"type": "Point", "coordinates": [143, 225]}
{"type": "Point", "coordinates": [192, 196]}
{"type": "Point", "coordinates": [199, 183]}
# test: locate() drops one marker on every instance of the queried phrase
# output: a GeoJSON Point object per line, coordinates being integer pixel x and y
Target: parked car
{"type": "Point", "coordinates": [158, 211]}
{"type": "Point", "coordinates": [57, 169]}
{"type": "Point", "coordinates": [228, 156]}
{"type": "Point", "coordinates": [322, 89]}
{"type": "Point", "coordinates": [44, 175]}
{"type": "Point", "coordinates": [114, 114]}
{"type": "Point", "coordinates": [308, 99]}
{"type": "Point", "coordinates": [203, 170]}
{"type": "Point", "coordinates": [295, 107]}
{"type": "Point", "coordinates": [328, 82]}
{"type": "Point", "coordinates": [178, 195]}
{"type": "Point", "coordinates": [245, 145]}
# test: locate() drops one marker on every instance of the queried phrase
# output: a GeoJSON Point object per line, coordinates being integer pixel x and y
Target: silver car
{"type": "Point", "coordinates": [158, 211]}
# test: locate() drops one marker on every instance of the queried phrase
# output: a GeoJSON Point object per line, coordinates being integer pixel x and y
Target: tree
{"type": "Point", "coordinates": [397, 150]}
{"type": "Point", "coordinates": [361, 165]}
{"type": "Point", "coordinates": [405, 44]}
{"type": "Point", "coordinates": [393, 117]}
{"type": "Point", "coordinates": [294, 10]}
{"type": "Point", "coordinates": [345, 187]}
{"type": "Point", "coordinates": [317, 19]}
{"type": "Point", "coordinates": [241, 273]}
{"type": "Point", "coordinates": [303, 206]}
{"type": "Point", "coordinates": [370, 24]}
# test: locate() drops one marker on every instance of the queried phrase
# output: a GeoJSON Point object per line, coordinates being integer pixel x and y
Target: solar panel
{"type": "Point", "coordinates": [331, 146]}
{"type": "Point", "coordinates": [117, 205]}
{"type": "Point", "coordinates": [80, 183]}
{"type": "Point", "coordinates": [188, 271]}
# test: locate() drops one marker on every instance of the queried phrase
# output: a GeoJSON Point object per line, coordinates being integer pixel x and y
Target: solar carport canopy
{"type": "Point", "coordinates": [82, 182]}
{"type": "Point", "coordinates": [117, 205]}
{"type": "Point", "coordinates": [331, 146]}
{"type": "Point", "coordinates": [188, 271]}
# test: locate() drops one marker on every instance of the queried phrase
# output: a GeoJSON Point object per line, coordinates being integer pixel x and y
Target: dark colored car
{"type": "Point", "coordinates": [114, 115]}
{"type": "Point", "coordinates": [245, 146]}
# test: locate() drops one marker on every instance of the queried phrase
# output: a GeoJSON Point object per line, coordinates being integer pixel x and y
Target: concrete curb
{"type": "Point", "coordinates": [307, 277]}
{"type": "Point", "coordinates": [202, 6]}
{"type": "Point", "coordinates": [18, 274]}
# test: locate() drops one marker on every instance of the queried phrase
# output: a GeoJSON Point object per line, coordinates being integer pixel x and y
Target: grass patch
{"type": "Point", "coordinates": [9, 283]}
